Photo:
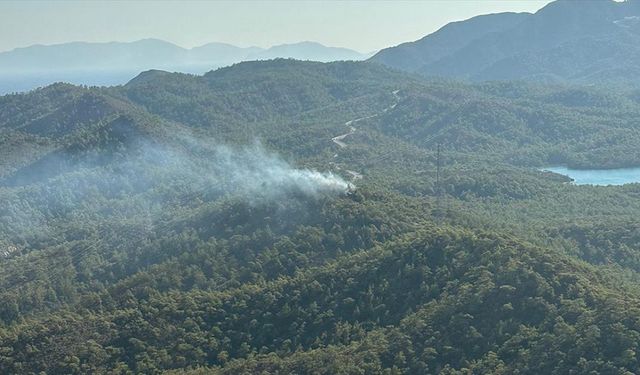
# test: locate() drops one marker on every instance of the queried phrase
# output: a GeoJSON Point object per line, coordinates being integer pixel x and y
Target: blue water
{"type": "Point", "coordinates": [603, 177]}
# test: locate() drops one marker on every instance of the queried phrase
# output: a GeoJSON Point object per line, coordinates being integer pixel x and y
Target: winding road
{"type": "Point", "coordinates": [339, 140]}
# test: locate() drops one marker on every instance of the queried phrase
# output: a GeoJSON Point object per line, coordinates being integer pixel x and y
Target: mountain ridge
{"type": "Point", "coordinates": [112, 63]}
{"type": "Point", "coordinates": [198, 54]}
{"type": "Point", "coordinates": [530, 46]}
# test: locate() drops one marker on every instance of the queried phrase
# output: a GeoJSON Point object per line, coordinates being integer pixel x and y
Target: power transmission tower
{"type": "Point", "coordinates": [438, 187]}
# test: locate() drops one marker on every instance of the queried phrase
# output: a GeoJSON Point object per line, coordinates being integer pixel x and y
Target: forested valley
{"type": "Point", "coordinates": [283, 216]}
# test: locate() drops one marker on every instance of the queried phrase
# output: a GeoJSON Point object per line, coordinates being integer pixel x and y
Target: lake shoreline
{"type": "Point", "coordinates": [597, 177]}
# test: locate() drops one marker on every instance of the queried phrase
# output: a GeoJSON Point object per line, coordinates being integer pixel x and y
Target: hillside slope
{"type": "Point", "coordinates": [212, 224]}
{"type": "Point", "coordinates": [439, 301]}
{"type": "Point", "coordinates": [566, 41]}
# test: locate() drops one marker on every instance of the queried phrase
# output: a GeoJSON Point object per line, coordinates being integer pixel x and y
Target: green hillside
{"type": "Point", "coordinates": [284, 217]}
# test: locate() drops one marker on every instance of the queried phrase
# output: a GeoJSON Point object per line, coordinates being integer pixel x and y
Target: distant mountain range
{"type": "Point", "coordinates": [115, 62]}
{"type": "Point", "coordinates": [586, 42]}
{"type": "Point", "coordinates": [583, 42]}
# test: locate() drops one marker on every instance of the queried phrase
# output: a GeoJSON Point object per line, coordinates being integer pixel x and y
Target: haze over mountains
{"type": "Point", "coordinates": [299, 217]}
{"type": "Point", "coordinates": [114, 63]}
{"type": "Point", "coordinates": [586, 42]}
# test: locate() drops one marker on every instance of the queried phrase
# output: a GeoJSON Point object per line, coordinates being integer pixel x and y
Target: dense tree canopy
{"type": "Point", "coordinates": [169, 225]}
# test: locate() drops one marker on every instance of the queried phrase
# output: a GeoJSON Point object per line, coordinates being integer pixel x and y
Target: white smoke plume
{"type": "Point", "coordinates": [156, 176]}
{"type": "Point", "coordinates": [253, 170]}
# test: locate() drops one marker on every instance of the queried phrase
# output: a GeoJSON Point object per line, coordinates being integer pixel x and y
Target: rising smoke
{"type": "Point", "coordinates": [253, 170]}
{"type": "Point", "coordinates": [96, 201]}
{"type": "Point", "coordinates": [249, 171]}
{"type": "Point", "coordinates": [151, 177]}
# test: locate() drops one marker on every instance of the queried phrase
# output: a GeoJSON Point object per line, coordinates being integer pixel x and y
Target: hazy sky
{"type": "Point", "coordinates": [361, 25]}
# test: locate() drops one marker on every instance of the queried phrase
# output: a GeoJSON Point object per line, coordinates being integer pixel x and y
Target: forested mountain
{"type": "Point", "coordinates": [284, 217]}
{"type": "Point", "coordinates": [107, 64]}
{"type": "Point", "coordinates": [582, 42]}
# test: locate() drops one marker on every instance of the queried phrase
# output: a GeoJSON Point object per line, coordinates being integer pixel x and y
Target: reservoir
{"type": "Point", "coordinates": [619, 176]}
